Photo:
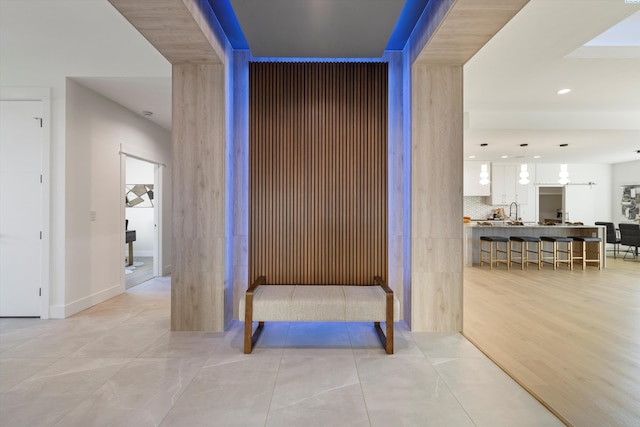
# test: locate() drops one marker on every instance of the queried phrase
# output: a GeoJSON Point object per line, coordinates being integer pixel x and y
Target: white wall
{"type": "Point", "coordinates": [141, 219]}
{"type": "Point", "coordinates": [96, 128]}
{"type": "Point", "coordinates": [585, 203]}
{"type": "Point", "coordinates": [97, 41]}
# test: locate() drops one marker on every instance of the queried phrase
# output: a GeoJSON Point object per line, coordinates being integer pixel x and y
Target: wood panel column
{"type": "Point", "coordinates": [199, 186]}
{"type": "Point", "coordinates": [436, 198]}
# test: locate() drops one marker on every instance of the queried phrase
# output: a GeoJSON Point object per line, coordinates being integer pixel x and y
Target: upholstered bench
{"type": "Point", "coordinates": [319, 303]}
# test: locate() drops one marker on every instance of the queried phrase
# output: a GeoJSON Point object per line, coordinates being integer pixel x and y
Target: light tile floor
{"type": "Point", "coordinates": [117, 364]}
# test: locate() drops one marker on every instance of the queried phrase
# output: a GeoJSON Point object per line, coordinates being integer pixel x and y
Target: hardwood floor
{"type": "Point", "coordinates": [572, 338]}
{"type": "Point", "coordinates": [141, 273]}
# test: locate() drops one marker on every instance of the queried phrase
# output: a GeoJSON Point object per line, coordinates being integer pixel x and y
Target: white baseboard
{"type": "Point", "coordinates": [64, 311]}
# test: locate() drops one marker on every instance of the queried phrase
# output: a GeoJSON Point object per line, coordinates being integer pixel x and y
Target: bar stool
{"type": "Point", "coordinates": [524, 251]}
{"type": "Point", "coordinates": [582, 250]}
{"type": "Point", "coordinates": [494, 250]}
{"type": "Point", "coordinates": [555, 251]}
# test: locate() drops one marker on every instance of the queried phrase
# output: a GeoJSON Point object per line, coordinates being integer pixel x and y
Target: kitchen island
{"type": "Point", "coordinates": [474, 231]}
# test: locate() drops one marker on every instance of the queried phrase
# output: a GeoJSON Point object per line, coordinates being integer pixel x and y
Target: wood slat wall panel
{"type": "Point", "coordinates": [318, 172]}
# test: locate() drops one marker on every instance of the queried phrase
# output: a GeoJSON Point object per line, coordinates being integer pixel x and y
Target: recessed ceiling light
{"type": "Point", "coordinates": [563, 91]}
{"type": "Point", "coordinates": [503, 157]}
{"type": "Point", "coordinates": [472, 157]}
{"type": "Point", "coordinates": [536, 157]}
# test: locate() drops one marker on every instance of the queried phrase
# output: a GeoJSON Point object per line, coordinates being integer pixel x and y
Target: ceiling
{"type": "Point", "coordinates": [510, 85]}
{"type": "Point", "coordinates": [317, 29]}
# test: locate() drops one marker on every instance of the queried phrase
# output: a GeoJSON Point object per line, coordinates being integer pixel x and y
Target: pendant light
{"type": "Point", "coordinates": [524, 174]}
{"type": "Point", "coordinates": [564, 172]}
{"type": "Point", "coordinates": [484, 171]}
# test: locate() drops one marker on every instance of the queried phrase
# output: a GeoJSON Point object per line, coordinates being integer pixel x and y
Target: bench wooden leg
{"type": "Point", "coordinates": [250, 338]}
{"type": "Point", "coordinates": [248, 326]}
{"type": "Point", "coordinates": [387, 341]}
{"type": "Point", "coordinates": [389, 346]}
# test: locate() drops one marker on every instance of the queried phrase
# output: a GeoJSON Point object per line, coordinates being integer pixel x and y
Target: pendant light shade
{"type": "Point", "coordinates": [524, 174]}
{"type": "Point", "coordinates": [564, 172]}
{"type": "Point", "coordinates": [484, 174]}
{"type": "Point", "coordinates": [484, 171]}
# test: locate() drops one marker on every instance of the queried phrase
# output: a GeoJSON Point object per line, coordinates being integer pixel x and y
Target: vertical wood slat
{"type": "Point", "coordinates": [318, 172]}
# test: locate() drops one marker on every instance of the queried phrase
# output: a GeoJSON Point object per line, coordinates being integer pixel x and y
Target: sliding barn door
{"type": "Point", "coordinates": [318, 172]}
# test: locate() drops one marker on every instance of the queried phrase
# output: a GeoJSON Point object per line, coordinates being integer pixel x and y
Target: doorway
{"type": "Point", "coordinates": [551, 204]}
{"type": "Point", "coordinates": [141, 221]}
{"type": "Point", "coordinates": [22, 210]}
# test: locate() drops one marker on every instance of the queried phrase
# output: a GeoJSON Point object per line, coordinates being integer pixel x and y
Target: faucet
{"type": "Point", "coordinates": [510, 207]}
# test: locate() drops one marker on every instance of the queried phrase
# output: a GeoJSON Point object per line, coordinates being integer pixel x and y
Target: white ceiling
{"type": "Point", "coordinates": [510, 85]}
{"type": "Point", "coordinates": [44, 41]}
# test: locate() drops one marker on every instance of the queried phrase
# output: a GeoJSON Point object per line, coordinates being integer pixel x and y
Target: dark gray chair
{"type": "Point", "coordinates": [630, 237]}
{"type": "Point", "coordinates": [612, 236]}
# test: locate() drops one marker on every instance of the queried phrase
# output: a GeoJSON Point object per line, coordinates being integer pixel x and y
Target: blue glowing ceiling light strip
{"type": "Point", "coordinates": [409, 16]}
{"type": "Point", "coordinates": [229, 23]}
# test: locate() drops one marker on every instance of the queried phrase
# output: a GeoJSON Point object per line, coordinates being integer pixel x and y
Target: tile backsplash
{"type": "Point", "coordinates": [475, 207]}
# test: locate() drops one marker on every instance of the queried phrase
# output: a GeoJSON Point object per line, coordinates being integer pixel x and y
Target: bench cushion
{"type": "Point", "coordinates": [290, 303]}
{"type": "Point", "coordinates": [317, 303]}
{"type": "Point", "coordinates": [365, 303]}
{"type": "Point", "coordinates": [271, 303]}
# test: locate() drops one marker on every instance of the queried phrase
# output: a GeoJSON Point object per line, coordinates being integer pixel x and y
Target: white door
{"type": "Point", "coordinates": [20, 207]}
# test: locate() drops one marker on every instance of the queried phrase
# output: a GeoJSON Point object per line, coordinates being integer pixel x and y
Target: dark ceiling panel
{"type": "Point", "coordinates": [318, 28]}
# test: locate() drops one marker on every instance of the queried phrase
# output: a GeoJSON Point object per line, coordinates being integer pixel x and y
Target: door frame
{"type": "Point", "coordinates": [137, 153]}
{"type": "Point", "coordinates": [42, 94]}
{"type": "Point", "coordinates": [537, 200]}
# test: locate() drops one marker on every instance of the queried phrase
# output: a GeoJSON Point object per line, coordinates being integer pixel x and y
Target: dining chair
{"type": "Point", "coordinates": [630, 237]}
{"type": "Point", "coordinates": [612, 236]}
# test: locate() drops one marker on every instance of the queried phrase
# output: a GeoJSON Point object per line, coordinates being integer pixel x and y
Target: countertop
{"type": "Point", "coordinates": [505, 224]}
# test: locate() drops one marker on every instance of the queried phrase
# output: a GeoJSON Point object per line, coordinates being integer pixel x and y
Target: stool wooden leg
{"type": "Point", "coordinates": [538, 246]}
{"type": "Point", "coordinates": [570, 250]}
{"type": "Point", "coordinates": [524, 257]}
{"type": "Point", "coordinates": [491, 250]}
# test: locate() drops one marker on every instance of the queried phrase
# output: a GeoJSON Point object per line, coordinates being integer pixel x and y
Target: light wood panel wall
{"type": "Point", "coordinates": [318, 172]}
{"type": "Point", "coordinates": [436, 198]}
{"type": "Point", "coordinates": [177, 28]}
{"type": "Point", "coordinates": [199, 172]}
{"type": "Point", "coordinates": [457, 29]}
{"type": "Point", "coordinates": [187, 34]}
{"type": "Point", "coordinates": [445, 39]}
{"type": "Point", "coordinates": [397, 193]}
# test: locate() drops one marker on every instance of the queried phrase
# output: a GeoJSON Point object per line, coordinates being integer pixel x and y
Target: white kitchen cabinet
{"type": "Point", "coordinates": [505, 187]}
{"type": "Point", "coordinates": [472, 186]}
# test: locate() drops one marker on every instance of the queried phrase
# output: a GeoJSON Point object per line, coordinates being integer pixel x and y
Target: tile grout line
{"type": "Point", "coordinates": [444, 382]}
{"type": "Point", "coordinates": [275, 379]}
{"type": "Point", "coordinates": [92, 392]}
{"type": "Point", "coordinates": [364, 399]}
